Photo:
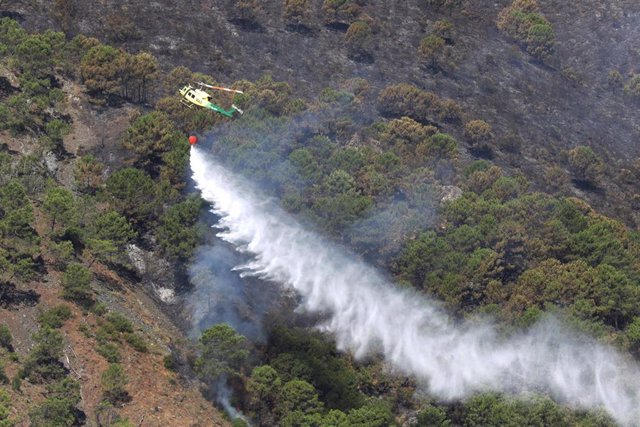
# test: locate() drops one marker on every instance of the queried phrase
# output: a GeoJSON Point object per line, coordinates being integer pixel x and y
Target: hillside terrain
{"type": "Point", "coordinates": [482, 154]}
{"type": "Point", "coordinates": [569, 100]}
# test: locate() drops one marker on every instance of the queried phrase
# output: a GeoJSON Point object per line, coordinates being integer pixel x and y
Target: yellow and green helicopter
{"type": "Point", "coordinates": [198, 96]}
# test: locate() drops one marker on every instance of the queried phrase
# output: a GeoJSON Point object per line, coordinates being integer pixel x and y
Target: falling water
{"type": "Point", "coordinates": [367, 314]}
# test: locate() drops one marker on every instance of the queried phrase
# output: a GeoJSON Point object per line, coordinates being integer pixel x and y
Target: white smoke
{"type": "Point", "coordinates": [369, 315]}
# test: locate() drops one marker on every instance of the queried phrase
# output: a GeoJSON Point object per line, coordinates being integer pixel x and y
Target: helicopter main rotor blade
{"type": "Point", "coordinates": [226, 89]}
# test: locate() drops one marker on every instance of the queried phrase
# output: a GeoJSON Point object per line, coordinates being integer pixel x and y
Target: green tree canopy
{"type": "Point", "coordinates": [222, 351]}
{"type": "Point", "coordinates": [132, 193]}
{"type": "Point", "coordinates": [59, 204]}
{"type": "Point", "coordinates": [179, 234]}
{"type": "Point", "coordinates": [149, 137]}
{"type": "Point", "coordinates": [100, 69]}
{"type": "Point", "coordinates": [298, 395]}
{"type": "Point", "coordinates": [76, 284]}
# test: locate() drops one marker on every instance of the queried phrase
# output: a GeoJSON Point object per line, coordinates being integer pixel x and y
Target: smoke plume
{"type": "Point", "coordinates": [368, 315]}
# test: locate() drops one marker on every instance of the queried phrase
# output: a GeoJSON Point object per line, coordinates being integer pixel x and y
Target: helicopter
{"type": "Point", "coordinates": [198, 96]}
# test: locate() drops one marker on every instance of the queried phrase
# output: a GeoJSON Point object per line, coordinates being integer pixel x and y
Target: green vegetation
{"type": "Point", "coordinates": [585, 164]}
{"type": "Point", "coordinates": [523, 22]}
{"type": "Point", "coordinates": [477, 131]}
{"type": "Point", "coordinates": [59, 206]}
{"type": "Point", "coordinates": [55, 317]}
{"type": "Point", "coordinates": [433, 50]}
{"type": "Point", "coordinates": [296, 12]}
{"type": "Point", "coordinates": [132, 193]}
{"type": "Point", "coordinates": [5, 409]}
{"type": "Point", "coordinates": [59, 409]}
{"type": "Point", "coordinates": [222, 352]}
{"type": "Point", "coordinates": [5, 337]}
{"type": "Point", "coordinates": [43, 363]}
{"type": "Point", "coordinates": [358, 40]}
{"type": "Point", "coordinates": [246, 12]}
{"type": "Point", "coordinates": [340, 11]}
{"type": "Point", "coordinates": [373, 182]}
{"type": "Point", "coordinates": [424, 107]}
{"type": "Point", "coordinates": [114, 380]}
{"type": "Point", "coordinates": [179, 233]}
{"type": "Point", "coordinates": [108, 237]}
{"type": "Point", "coordinates": [76, 284]}
{"type": "Point", "coordinates": [17, 237]}
{"type": "Point", "coordinates": [633, 85]}
{"type": "Point", "coordinates": [88, 173]}
{"type": "Point", "coordinates": [107, 71]}
{"type": "Point", "coordinates": [113, 330]}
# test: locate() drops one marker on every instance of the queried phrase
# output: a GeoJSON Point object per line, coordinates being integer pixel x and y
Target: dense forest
{"type": "Point", "coordinates": [409, 179]}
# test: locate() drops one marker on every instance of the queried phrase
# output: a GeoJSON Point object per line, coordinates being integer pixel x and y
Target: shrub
{"type": "Point", "coordinates": [407, 131]}
{"type": "Point", "coordinates": [61, 252]}
{"type": "Point", "coordinates": [5, 337]}
{"type": "Point", "coordinates": [109, 351]}
{"type": "Point", "coordinates": [425, 107]}
{"type": "Point", "coordinates": [296, 12]}
{"type": "Point", "coordinates": [445, 4]}
{"type": "Point", "coordinates": [523, 22]}
{"type": "Point", "coordinates": [114, 380]}
{"type": "Point", "coordinates": [54, 318]}
{"type": "Point", "coordinates": [43, 362]}
{"type": "Point", "coordinates": [120, 323]}
{"type": "Point", "coordinates": [340, 11]}
{"type": "Point", "coordinates": [556, 179]}
{"type": "Point", "coordinates": [540, 39]}
{"type": "Point", "coordinates": [433, 51]}
{"type": "Point", "coordinates": [358, 39]}
{"type": "Point", "coordinates": [120, 28]}
{"type": "Point", "coordinates": [510, 143]}
{"type": "Point", "coordinates": [76, 284]}
{"type": "Point", "coordinates": [448, 110]}
{"type": "Point", "coordinates": [442, 145]}
{"type": "Point", "coordinates": [245, 13]}
{"type": "Point", "coordinates": [4, 379]}
{"type": "Point", "coordinates": [5, 409]}
{"type": "Point", "coordinates": [11, 33]}
{"type": "Point", "coordinates": [88, 173]}
{"type": "Point", "coordinates": [170, 362]}
{"type": "Point", "coordinates": [16, 382]}
{"type": "Point", "coordinates": [633, 334]}
{"type": "Point", "coordinates": [614, 79]}
{"type": "Point", "coordinates": [137, 342]}
{"type": "Point", "coordinates": [443, 28]}
{"type": "Point", "coordinates": [633, 85]}
{"type": "Point", "coordinates": [477, 131]}
{"type": "Point", "coordinates": [64, 12]}
{"type": "Point", "coordinates": [585, 164]}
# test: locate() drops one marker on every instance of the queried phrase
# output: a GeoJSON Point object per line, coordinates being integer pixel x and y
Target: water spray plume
{"type": "Point", "coordinates": [368, 315]}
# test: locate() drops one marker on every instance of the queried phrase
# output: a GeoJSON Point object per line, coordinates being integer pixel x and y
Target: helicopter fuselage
{"type": "Point", "coordinates": [193, 96]}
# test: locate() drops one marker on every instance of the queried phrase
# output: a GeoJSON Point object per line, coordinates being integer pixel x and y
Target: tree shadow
{"type": "Point", "coordinates": [249, 25]}
{"type": "Point", "coordinates": [338, 26]}
{"type": "Point", "coordinates": [299, 28]}
{"type": "Point", "coordinates": [586, 185]}
{"type": "Point", "coordinates": [483, 152]}
{"type": "Point", "coordinates": [361, 57]}
{"type": "Point", "coordinates": [11, 297]}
